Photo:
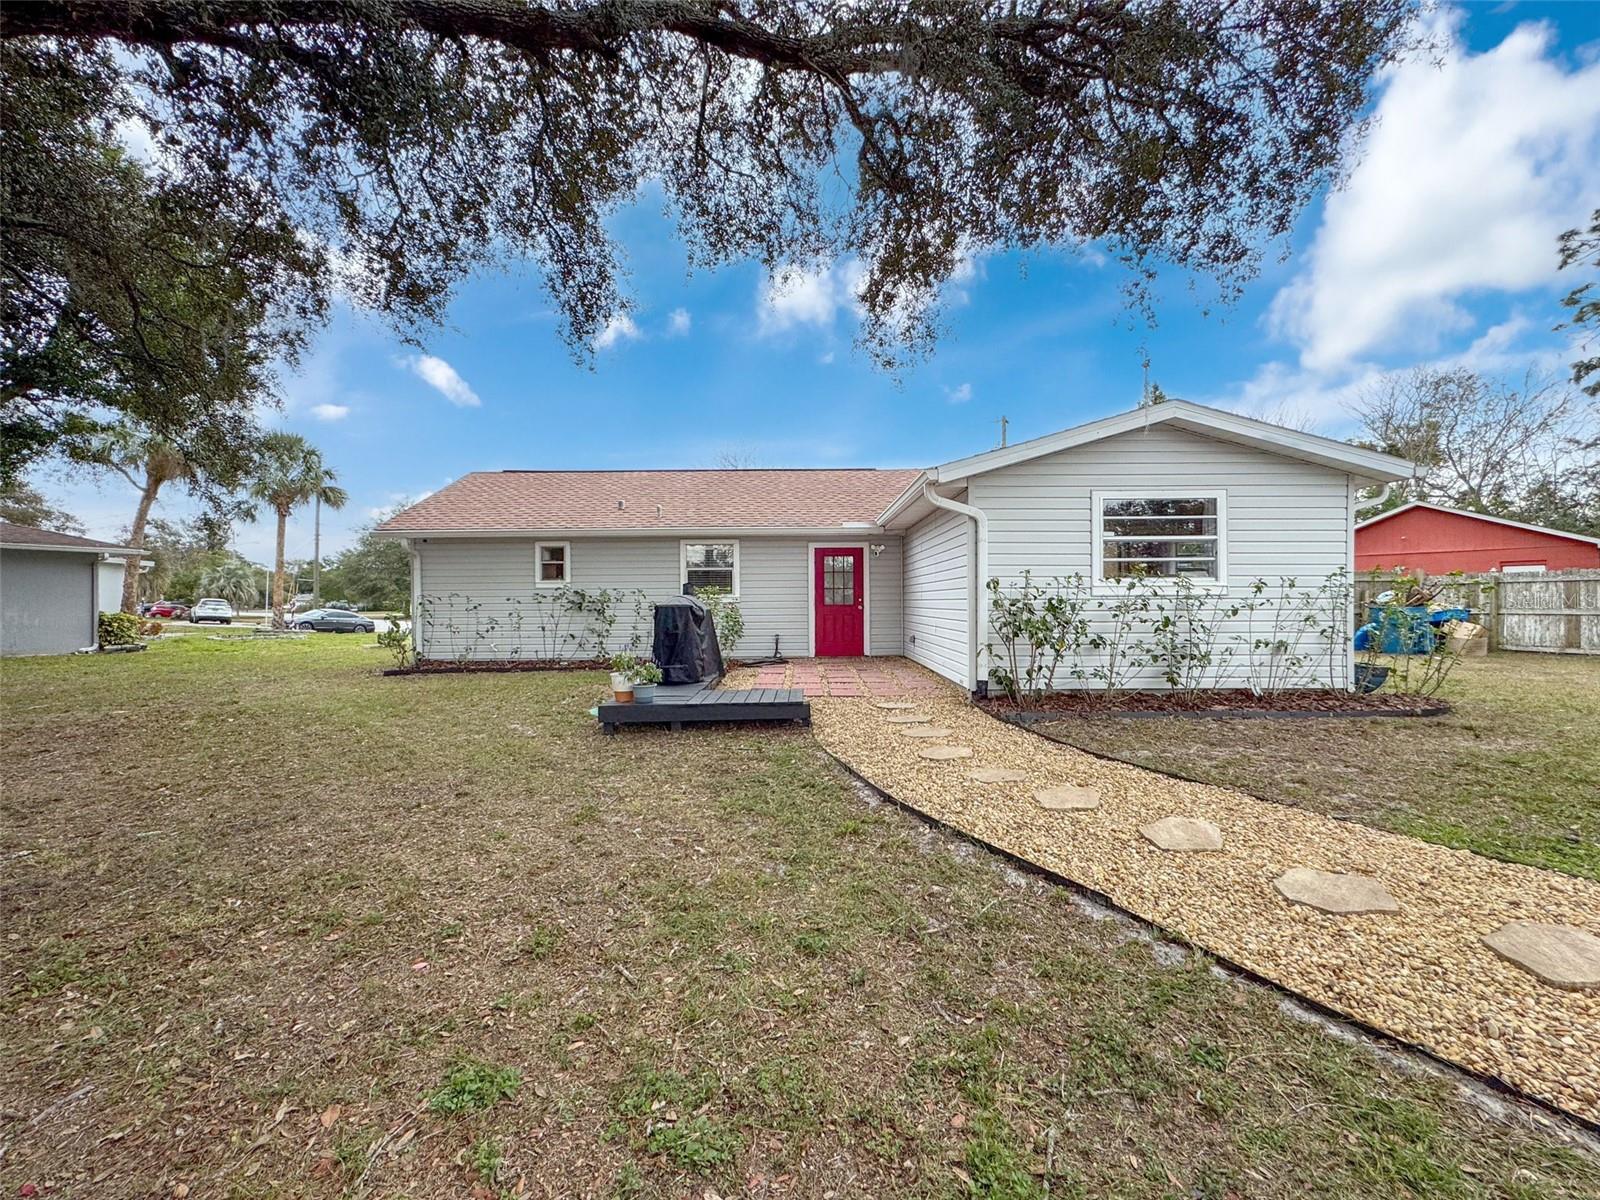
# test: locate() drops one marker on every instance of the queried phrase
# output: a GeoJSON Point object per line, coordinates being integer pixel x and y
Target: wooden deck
{"type": "Point", "coordinates": [678, 705]}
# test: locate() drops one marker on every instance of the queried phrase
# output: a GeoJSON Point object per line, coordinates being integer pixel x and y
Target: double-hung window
{"type": "Point", "coordinates": [1160, 536]}
{"type": "Point", "coordinates": [711, 564]}
{"type": "Point", "coordinates": [553, 561]}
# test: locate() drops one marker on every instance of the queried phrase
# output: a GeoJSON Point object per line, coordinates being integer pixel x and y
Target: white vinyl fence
{"type": "Point", "coordinates": [1555, 612]}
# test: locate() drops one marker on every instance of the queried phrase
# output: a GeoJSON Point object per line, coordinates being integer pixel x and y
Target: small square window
{"type": "Point", "coordinates": [712, 564]}
{"type": "Point", "coordinates": [554, 563]}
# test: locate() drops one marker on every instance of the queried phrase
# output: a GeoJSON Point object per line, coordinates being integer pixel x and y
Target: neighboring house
{"type": "Point", "coordinates": [1438, 540]}
{"type": "Point", "coordinates": [50, 598]}
{"type": "Point", "coordinates": [886, 562]}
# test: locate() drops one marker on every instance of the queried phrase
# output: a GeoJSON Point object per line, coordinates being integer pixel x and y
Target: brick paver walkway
{"type": "Point", "coordinates": [874, 678]}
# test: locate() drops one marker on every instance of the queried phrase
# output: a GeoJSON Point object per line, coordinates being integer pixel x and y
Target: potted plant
{"type": "Point", "coordinates": [645, 677]}
{"type": "Point", "coordinates": [623, 667]}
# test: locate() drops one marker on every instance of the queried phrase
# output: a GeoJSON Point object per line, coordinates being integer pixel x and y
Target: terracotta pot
{"type": "Point", "coordinates": [624, 694]}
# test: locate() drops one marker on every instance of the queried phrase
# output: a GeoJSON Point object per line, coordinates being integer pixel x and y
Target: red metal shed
{"type": "Point", "coordinates": [1435, 539]}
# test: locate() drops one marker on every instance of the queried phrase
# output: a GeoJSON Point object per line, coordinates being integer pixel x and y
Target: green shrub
{"type": "Point", "coordinates": [725, 615]}
{"type": "Point", "coordinates": [119, 629]}
{"type": "Point", "coordinates": [397, 640]}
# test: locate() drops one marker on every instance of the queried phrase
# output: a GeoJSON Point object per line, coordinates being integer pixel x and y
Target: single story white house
{"type": "Point", "coordinates": [847, 562]}
{"type": "Point", "coordinates": [51, 589]}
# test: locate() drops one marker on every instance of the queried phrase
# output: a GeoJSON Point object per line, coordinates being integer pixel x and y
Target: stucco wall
{"type": "Point", "coordinates": [47, 601]}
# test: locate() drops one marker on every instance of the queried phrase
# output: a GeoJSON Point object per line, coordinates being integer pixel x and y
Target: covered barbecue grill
{"type": "Point", "coordinates": [685, 646]}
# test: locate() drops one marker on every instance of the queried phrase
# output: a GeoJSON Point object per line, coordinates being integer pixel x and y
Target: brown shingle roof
{"type": "Point", "coordinates": [27, 535]}
{"type": "Point", "coordinates": [519, 501]}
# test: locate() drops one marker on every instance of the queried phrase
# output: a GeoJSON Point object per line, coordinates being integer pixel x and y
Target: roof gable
{"type": "Point", "coordinates": [1196, 418]}
{"type": "Point", "coordinates": [517, 502]}
{"type": "Point", "coordinates": [1477, 516]}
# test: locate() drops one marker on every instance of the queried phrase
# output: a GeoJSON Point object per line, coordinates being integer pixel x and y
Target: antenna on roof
{"type": "Point", "coordinates": [1003, 422]}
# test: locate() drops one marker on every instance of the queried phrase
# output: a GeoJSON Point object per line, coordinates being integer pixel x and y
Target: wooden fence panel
{"type": "Point", "coordinates": [1556, 612]}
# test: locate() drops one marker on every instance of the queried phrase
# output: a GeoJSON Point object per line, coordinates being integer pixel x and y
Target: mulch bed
{"type": "Point", "coordinates": [438, 666]}
{"type": "Point", "coordinates": [1234, 702]}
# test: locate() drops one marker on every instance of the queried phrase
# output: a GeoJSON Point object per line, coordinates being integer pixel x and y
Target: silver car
{"type": "Point", "coordinates": [216, 610]}
{"type": "Point", "coordinates": [333, 620]}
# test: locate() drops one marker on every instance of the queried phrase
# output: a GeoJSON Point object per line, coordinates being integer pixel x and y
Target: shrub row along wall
{"type": "Point", "coordinates": [1269, 636]}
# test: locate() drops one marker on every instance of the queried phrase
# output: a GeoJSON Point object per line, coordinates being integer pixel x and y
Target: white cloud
{"type": "Point", "coordinates": [442, 377]}
{"type": "Point", "coordinates": [1475, 164]}
{"type": "Point", "coordinates": [793, 296]}
{"type": "Point", "coordinates": [330, 412]}
{"type": "Point", "coordinates": [619, 328]}
{"type": "Point", "coordinates": [826, 359]}
{"type": "Point", "coordinates": [960, 394]}
{"type": "Point", "coordinates": [678, 322]}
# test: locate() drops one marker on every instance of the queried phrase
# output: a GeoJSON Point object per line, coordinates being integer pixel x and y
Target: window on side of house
{"type": "Point", "coordinates": [553, 562]}
{"type": "Point", "coordinates": [1180, 535]}
{"type": "Point", "coordinates": [712, 564]}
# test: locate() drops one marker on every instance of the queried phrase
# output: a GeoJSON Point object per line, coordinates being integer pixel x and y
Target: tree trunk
{"type": "Point", "coordinates": [130, 572]}
{"type": "Point", "coordinates": [277, 574]}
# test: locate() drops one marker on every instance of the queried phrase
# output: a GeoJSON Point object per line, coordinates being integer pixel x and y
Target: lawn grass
{"type": "Point", "coordinates": [1512, 773]}
{"type": "Point", "coordinates": [278, 926]}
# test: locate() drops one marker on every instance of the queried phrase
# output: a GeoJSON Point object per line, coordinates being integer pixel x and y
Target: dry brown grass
{"type": "Point", "coordinates": [269, 917]}
{"type": "Point", "coordinates": [1512, 773]}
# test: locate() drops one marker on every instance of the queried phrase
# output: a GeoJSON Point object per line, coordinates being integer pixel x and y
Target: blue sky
{"type": "Point", "coordinates": [1440, 249]}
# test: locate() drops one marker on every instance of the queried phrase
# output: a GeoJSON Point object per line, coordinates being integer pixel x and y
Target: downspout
{"type": "Point", "coordinates": [1377, 500]}
{"type": "Point", "coordinates": [975, 609]}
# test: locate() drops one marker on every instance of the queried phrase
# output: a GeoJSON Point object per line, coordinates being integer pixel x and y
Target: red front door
{"type": "Point", "coordinates": [840, 590]}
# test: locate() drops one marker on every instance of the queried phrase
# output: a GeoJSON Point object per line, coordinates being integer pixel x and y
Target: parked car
{"type": "Point", "coordinates": [341, 605]}
{"type": "Point", "coordinates": [212, 609]}
{"type": "Point", "coordinates": [172, 610]}
{"type": "Point", "coordinates": [334, 620]}
{"type": "Point", "coordinates": [301, 603]}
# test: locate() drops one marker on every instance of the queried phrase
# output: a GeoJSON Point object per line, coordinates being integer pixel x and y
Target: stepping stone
{"type": "Point", "coordinates": [1183, 833]}
{"type": "Point", "coordinates": [1561, 955]}
{"type": "Point", "coordinates": [1068, 798]}
{"type": "Point", "coordinates": [1333, 892]}
{"type": "Point", "coordinates": [996, 775]}
{"type": "Point", "coordinates": [907, 719]}
{"type": "Point", "coordinates": [925, 731]}
{"type": "Point", "coordinates": [944, 753]}
{"type": "Point", "coordinates": [893, 704]}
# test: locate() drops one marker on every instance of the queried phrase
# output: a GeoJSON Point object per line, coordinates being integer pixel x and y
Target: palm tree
{"type": "Point", "coordinates": [290, 473]}
{"type": "Point", "coordinates": [148, 463]}
{"type": "Point", "coordinates": [233, 580]}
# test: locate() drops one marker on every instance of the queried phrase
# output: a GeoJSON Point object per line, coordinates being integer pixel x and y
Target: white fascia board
{"type": "Point", "coordinates": [904, 500]}
{"type": "Point", "coordinates": [676, 531]}
{"type": "Point", "coordinates": [104, 551]}
{"type": "Point", "coordinates": [1196, 418]}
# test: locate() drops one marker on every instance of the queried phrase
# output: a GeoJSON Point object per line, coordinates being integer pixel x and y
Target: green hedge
{"type": "Point", "coordinates": [119, 629]}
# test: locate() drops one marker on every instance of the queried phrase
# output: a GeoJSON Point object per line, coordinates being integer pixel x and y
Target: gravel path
{"type": "Point", "coordinates": [1421, 974]}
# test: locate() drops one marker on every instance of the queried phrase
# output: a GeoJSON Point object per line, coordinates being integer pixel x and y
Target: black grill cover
{"type": "Point", "coordinates": [686, 647]}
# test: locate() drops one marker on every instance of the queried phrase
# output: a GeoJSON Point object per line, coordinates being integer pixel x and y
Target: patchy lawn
{"type": "Point", "coordinates": [278, 927]}
{"type": "Point", "coordinates": [1513, 773]}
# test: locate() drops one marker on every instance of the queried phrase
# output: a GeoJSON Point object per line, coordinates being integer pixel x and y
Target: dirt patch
{"type": "Point", "coordinates": [1239, 702]}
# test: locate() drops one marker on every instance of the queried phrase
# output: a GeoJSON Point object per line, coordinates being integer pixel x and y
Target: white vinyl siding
{"type": "Point", "coordinates": [938, 594]}
{"type": "Point", "coordinates": [481, 592]}
{"type": "Point", "coordinates": [1284, 518]}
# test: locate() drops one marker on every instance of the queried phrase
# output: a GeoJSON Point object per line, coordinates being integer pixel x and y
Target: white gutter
{"type": "Point", "coordinates": [1376, 500]}
{"type": "Point", "coordinates": [975, 609]}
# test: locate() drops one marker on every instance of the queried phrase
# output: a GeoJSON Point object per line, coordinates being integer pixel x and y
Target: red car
{"type": "Point", "coordinates": [173, 610]}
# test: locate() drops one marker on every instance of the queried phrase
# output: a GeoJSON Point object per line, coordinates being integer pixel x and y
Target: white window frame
{"type": "Point", "coordinates": [566, 565]}
{"type": "Point", "coordinates": [1097, 535]}
{"type": "Point", "coordinates": [683, 559]}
